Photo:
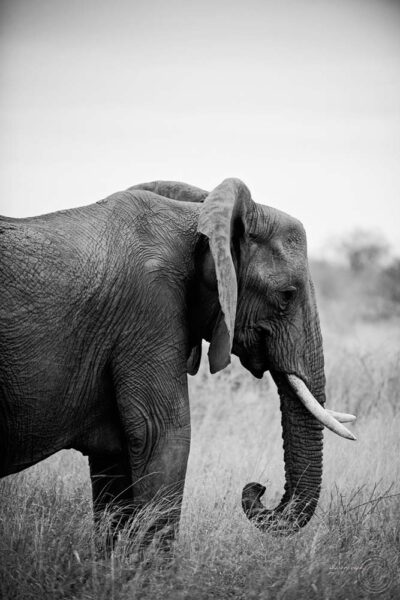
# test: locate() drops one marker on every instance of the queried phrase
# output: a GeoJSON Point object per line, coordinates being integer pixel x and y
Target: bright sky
{"type": "Point", "coordinates": [299, 98]}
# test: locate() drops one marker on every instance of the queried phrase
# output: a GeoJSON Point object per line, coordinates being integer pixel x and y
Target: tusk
{"type": "Point", "coordinates": [316, 409]}
{"type": "Point", "coordinates": [341, 417]}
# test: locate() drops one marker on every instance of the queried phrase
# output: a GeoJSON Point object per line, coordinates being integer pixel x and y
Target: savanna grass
{"type": "Point", "coordinates": [50, 549]}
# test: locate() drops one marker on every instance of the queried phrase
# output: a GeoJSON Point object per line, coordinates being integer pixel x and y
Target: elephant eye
{"type": "Point", "coordinates": [288, 294]}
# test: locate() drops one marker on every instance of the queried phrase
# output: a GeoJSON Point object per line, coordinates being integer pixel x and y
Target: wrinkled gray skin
{"type": "Point", "coordinates": [103, 309]}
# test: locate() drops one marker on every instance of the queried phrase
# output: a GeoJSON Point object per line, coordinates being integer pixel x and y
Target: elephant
{"type": "Point", "coordinates": [104, 309]}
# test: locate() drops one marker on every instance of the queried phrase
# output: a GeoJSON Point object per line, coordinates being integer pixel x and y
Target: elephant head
{"type": "Point", "coordinates": [264, 311]}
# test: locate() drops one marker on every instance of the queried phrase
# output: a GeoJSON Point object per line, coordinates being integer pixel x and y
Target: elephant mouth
{"type": "Point", "coordinates": [250, 346]}
{"type": "Point", "coordinates": [254, 347]}
{"type": "Point", "coordinates": [256, 365]}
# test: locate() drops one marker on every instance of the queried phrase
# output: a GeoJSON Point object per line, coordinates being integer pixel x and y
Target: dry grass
{"type": "Point", "coordinates": [349, 550]}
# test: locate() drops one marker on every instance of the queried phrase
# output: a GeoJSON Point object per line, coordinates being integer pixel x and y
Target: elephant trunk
{"type": "Point", "coordinates": [303, 418]}
{"type": "Point", "coordinates": [302, 443]}
{"type": "Point", "coordinates": [302, 433]}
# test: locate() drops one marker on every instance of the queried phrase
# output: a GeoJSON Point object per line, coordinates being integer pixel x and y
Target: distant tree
{"type": "Point", "coordinates": [364, 250]}
{"type": "Point", "coordinates": [391, 280]}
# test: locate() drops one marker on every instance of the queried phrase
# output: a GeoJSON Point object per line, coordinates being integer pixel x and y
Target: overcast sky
{"type": "Point", "coordinates": [299, 98]}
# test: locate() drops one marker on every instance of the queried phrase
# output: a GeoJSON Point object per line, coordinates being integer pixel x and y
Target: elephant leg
{"type": "Point", "coordinates": [158, 438]}
{"type": "Point", "coordinates": [111, 488]}
{"type": "Point", "coordinates": [160, 487]}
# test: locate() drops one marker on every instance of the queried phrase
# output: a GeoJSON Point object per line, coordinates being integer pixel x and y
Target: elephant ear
{"type": "Point", "coordinates": [193, 362]}
{"type": "Point", "coordinates": [174, 190]}
{"type": "Point", "coordinates": [227, 204]}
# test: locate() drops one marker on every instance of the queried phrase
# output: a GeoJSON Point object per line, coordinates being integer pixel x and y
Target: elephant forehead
{"type": "Point", "coordinates": [266, 217]}
{"type": "Point", "coordinates": [274, 260]}
{"type": "Point", "coordinates": [284, 233]}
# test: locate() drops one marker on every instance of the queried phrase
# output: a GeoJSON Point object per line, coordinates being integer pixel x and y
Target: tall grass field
{"type": "Point", "coordinates": [49, 548]}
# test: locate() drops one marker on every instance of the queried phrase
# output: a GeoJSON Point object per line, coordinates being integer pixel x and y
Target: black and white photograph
{"type": "Point", "coordinates": [199, 300]}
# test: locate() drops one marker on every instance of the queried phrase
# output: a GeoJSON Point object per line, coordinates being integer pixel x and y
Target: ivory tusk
{"type": "Point", "coordinates": [317, 410]}
{"type": "Point", "coordinates": [341, 417]}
